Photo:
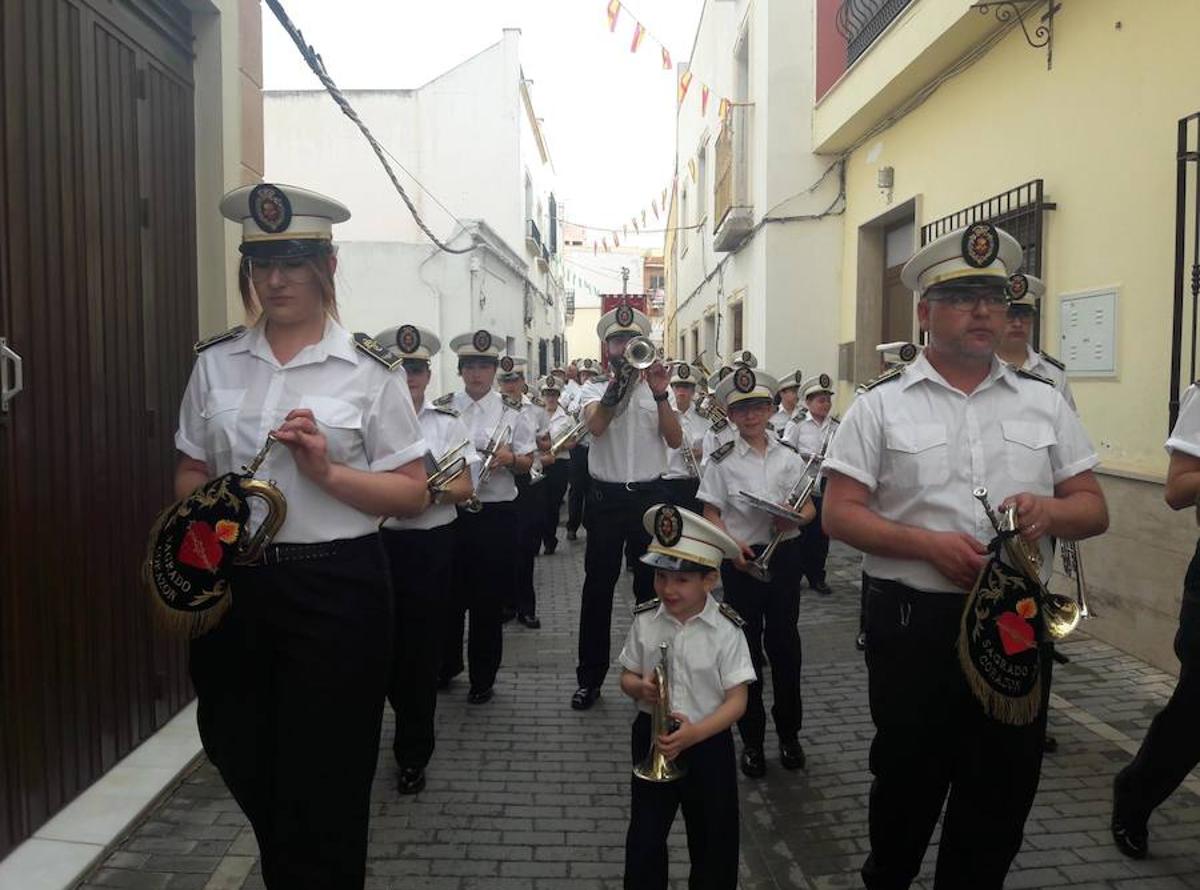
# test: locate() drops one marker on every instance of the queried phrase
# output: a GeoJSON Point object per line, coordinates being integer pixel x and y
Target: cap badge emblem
{"type": "Point", "coordinates": [1018, 286]}
{"type": "Point", "coordinates": [980, 245]}
{"type": "Point", "coordinates": [668, 525]}
{"type": "Point", "coordinates": [506, 364]}
{"type": "Point", "coordinates": [825, 381]}
{"type": "Point", "coordinates": [624, 316]}
{"type": "Point", "coordinates": [270, 208]}
{"type": "Point", "coordinates": [482, 341]}
{"type": "Point", "coordinates": [908, 352]}
{"type": "Point", "coordinates": [408, 339]}
{"type": "Point", "coordinates": [744, 380]}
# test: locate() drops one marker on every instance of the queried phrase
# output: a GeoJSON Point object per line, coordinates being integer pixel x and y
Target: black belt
{"type": "Point", "coordinates": [278, 554]}
{"type": "Point", "coordinates": [622, 487]}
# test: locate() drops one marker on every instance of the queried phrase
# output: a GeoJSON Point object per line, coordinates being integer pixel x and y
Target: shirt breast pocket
{"type": "Point", "coordinates": [341, 422]}
{"type": "Point", "coordinates": [917, 454]}
{"type": "Point", "coordinates": [220, 413]}
{"type": "Point", "coordinates": [1027, 446]}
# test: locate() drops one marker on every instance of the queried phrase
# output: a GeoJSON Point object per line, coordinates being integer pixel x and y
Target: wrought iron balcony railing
{"type": "Point", "coordinates": [861, 21]}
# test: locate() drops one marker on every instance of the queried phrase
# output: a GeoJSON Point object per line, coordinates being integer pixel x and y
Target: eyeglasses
{"type": "Point", "coordinates": [413, 366]}
{"type": "Point", "coordinates": [297, 270]}
{"type": "Point", "coordinates": [967, 300]}
{"type": "Point", "coordinates": [1021, 312]}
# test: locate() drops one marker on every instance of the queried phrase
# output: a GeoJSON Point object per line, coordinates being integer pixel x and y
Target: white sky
{"type": "Point", "coordinates": [609, 115]}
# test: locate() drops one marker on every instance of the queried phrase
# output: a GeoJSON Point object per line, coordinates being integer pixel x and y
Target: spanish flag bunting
{"type": "Point", "coordinates": [643, 216]}
{"type": "Point", "coordinates": [604, 241]}
{"type": "Point", "coordinates": [635, 227]}
{"type": "Point", "coordinates": [723, 110]}
{"type": "Point", "coordinates": [614, 10]}
{"type": "Point", "coordinates": [616, 240]}
{"type": "Point", "coordinates": [638, 33]}
{"type": "Point", "coordinates": [666, 59]}
{"type": "Point", "coordinates": [703, 99]}
{"type": "Point", "coordinates": [685, 80]}
{"type": "Point", "coordinates": [654, 207]}
{"type": "Point", "coordinates": [692, 168]}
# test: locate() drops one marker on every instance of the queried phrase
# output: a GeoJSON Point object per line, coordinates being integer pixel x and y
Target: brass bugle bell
{"type": "Point", "coordinates": [641, 353]}
{"type": "Point", "coordinates": [249, 551]}
{"type": "Point", "coordinates": [449, 467]}
{"type": "Point", "coordinates": [655, 767]}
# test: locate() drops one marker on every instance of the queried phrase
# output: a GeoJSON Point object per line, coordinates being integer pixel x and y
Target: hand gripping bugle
{"type": "Point", "coordinates": [654, 766]}
{"type": "Point", "coordinates": [498, 438]}
{"type": "Point", "coordinates": [799, 496]}
{"type": "Point", "coordinates": [449, 467]}
{"type": "Point", "coordinates": [1062, 613]}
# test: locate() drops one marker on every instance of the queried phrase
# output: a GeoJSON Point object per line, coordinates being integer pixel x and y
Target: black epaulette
{"type": "Point", "coordinates": [231, 334]}
{"type": "Point", "coordinates": [445, 408]}
{"type": "Point", "coordinates": [646, 606]}
{"type": "Point", "coordinates": [891, 374]}
{"type": "Point", "coordinates": [373, 348]}
{"type": "Point", "coordinates": [515, 404]}
{"type": "Point", "coordinates": [787, 444]}
{"type": "Point", "coordinates": [1051, 360]}
{"type": "Point", "coordinates": [720, 425]}
{"type": "Point", "coordinates": [721, 453]}
{"type": "Point", "coordinates": [771, 426]}
{"type": "Point", "coordinates": [731, 613]}
{"type": "Point", "coordinates": [443, 401]}
{"type": "Point", "coordinates": [1021, 372]}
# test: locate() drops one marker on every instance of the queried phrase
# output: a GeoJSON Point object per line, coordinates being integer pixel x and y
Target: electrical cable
{"type": "Point", "coordinates": [315, 63]}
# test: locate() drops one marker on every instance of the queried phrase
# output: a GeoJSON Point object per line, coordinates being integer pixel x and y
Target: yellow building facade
{"type": "Point", "coordinates": [949, 107]}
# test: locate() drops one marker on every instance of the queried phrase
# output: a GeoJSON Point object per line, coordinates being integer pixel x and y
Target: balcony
{"type": "Point", "coordinates": [733, 210]}
{"type": "Point", "coordinates": [533, 238]}
{"type": "Point", "coordinates": [544, 258]}
{"type": "Point", "coordinates": [861, 21]}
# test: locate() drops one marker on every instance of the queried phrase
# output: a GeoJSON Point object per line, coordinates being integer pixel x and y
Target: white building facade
{"type": "Point", "coordinates": [755, 260]}
{"type": "Point", "coordinates": [471, 138]}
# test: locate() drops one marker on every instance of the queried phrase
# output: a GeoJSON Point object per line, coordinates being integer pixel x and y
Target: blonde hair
{"type": "Point", "coordinates": [319, 263]}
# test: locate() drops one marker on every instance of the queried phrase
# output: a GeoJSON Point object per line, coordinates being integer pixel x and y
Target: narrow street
{"type": "Point", "coordinates": [524, 792]}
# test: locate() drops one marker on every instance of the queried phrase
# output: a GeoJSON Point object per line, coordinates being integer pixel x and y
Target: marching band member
{"type": "Point", "coordinates": [485, 536]}
{"type": "Point", "coordinates": [420, 551]}
{"type": "Point", "coordinates": [682, 476]}
{"type": "Point", "coordinates": [807, 434]}
{"type": "Point", "coordinates": [722, 430]}
{"type": "Point", "coordinates": [708, 669]}
{"type": "Point", "coordinates": [630, 419]}
{"type": "Point", "coordinates": [759, 463]}
{"type": "Point", "coordinates": [901, 471]}
{"type": "Point", "coordinates": [1171, 748]}
{"type": "Point", "coordinates": [580, 478]}
{"type": "Point", "coordinates": [786, 401]}
{"type": "Point", "coordinates": [291, 683]}
{"type": "Point", "coordinates": [557, 465]}
{"type": "Point", "coordinates": [531, 498]}
{"type": "Point", "coordinates": [570, 388]}
{"type": "Point", "coordinates": [1016, 341]}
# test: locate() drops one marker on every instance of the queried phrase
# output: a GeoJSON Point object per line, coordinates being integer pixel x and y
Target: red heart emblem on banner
{"type": "Point", "coordinates": [200, 548]}
{"type": "Point", "coordinates": [1016, 634]}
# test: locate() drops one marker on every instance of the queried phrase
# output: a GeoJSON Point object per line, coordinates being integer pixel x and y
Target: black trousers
{"type": "Point", "coordinates": [531, 515]}
{"type": "Point", "coordinates": [580, 480]}
{"type": "Point", "coordinates": [421, 562]}
{"type": "Point", "coordinates": [682, 493]}
{"type": "Point", "coordinates": [558, 475]}
{"type": "Point", "coordinates": [933, 740]}
{"type": "Point", "coordinates": [614, 526]}
{"type": "Point", "coordinates": [291, 687]}
{"type": "Point", "coordinates": [485, 545]}
{"type": "Point", "coordinates": [708, 797]}
{"type": "Point", "coordinates": [771, 611]}
{"type": "Point", "coordinates": [814, 548]}
{"type": "Point", "coordinates": [1171, 748]}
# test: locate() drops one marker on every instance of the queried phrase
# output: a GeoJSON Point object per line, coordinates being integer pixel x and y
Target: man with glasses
{"type": "Point", "coordinates": [901, 473]}
{"type": "Point", "coordinates": [1015, 343]}
{"type": "Point", "coordinates": [632, 425]}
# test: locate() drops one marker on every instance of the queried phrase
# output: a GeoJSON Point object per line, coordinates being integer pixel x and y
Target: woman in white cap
{"type": "Point", "coordinates": [291, 683]}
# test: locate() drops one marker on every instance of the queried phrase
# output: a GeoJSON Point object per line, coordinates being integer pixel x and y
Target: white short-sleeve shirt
{"type": "Point", "coordinates": [442, 431]}
{"type": "Point", "coordinates": [707, 656]}
{"type": "Point", "coordinates": [694, 427]}
{"type": "Point", "coordinates": [481, 419]}
{"type": "Point", "coordinates": [921, 447]}
{"type": "Point", "coordinates": [772, 475]}
{"type": "Point", "coordinates": [1037, 363]}
{"type": "Point", "coordinates": [807, 435]}
{"type": "Point", "coordinates": [714, 438]}
{"type": "Point", "coordinates": [560, 423]}
{"type": "Point", "coordinates": [630, 449]}
{"type": "Point", "coordinates": [1185, 435]}
{"type": "Point", "coordinates": [239, 392]}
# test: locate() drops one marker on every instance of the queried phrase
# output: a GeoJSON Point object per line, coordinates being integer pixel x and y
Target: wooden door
{"type": "Point", "coordinates": [97, 292]}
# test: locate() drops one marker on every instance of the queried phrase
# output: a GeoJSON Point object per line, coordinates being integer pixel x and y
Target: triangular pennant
{"type": "Point", "coordinates": [692, 168]}
{"type": "Point", "coordinates": [614, 10]}
{"type": "Point", "coordinates": [643, 217]}
{"type": "Point", "coordinates": [703, 99]}
{"type": "Point", "coordinates": [638, 33]}
{"type": "Point", "coordinates": [666, 56]}
{"type": "Point", "coordinates": [654, 207]}
{"type": "Point", "coordinates": [685, 80]}
{"type": "Point", "coordinates": [723, 110]}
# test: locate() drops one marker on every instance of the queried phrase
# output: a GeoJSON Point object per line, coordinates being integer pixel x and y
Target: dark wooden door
{"type": "Point", "coordinates": [97, 293]}
{"type": "Point", "coordinates": [897, 308]}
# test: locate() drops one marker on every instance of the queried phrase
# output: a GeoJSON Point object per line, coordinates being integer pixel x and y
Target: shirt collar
{"type": "Point", "coordinates": [335, 342]}
{"type": "Point", "coordinates": [1032, 358]}
{"type": "Point", "coordinates": [710, 614]}
{"type": "Point", "coordinates": [920, 369]}
{"type": "Point", "coordinates": [741, 446]}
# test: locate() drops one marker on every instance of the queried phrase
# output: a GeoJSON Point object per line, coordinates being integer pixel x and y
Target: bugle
{"type": "Point", "coordinates": [495, 443]}
{"type": "Point", "coordinates": [655, 767]}
{"type": "Point", "coordinates": [448, 468]}
{"type": "Point", "coordinates": [1062, 613]}
{"type": "Point", "coordinates": [1073, 569]}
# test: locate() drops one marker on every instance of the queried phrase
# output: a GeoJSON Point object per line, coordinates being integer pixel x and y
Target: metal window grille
{"type": "Point", "coordinates": [862, 21]}
{"type": "Point", "coordinates": [1187, 274]}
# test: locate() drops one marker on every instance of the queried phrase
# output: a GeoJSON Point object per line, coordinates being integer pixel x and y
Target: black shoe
{"type": "Point", "coordinates": [411, 780]}
{"type": "Point", "coordinates": [791, 754]}
{"type": "Point", "coordinates": [507, 615]}
{"type": "Point", "coordinates": [572, 536]}
{"type": "Point", "coordinates": [822, 588]}
{"type": "Point", "coordinates": [530, 621]}
{"type": "Point", "coordinates": [444, 680]}
{"type": "Point", "coordinates": [480, 696]}
{"type": "Point", "coordinates": [584, 697]}
{"type": "Point", "coordinates": [754, 764]}
{"type": "Point", "coordinates": [1130, 836]}
{"type": "Point", "coordinates": [1050, 745]}
{"type": "Point", "coordinates": [550, 548]}
{"type": "Point", "coordinates": [861, 642]}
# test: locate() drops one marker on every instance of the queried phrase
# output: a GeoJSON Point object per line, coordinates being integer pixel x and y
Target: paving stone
{"type": "Point", "coordinates": [524, 793]}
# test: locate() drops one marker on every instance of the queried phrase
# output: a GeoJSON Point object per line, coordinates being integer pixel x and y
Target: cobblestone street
{"type": "Point", "coordinates": [524, 792]}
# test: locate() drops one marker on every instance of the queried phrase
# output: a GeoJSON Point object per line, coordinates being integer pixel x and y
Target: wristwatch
{"type": "Point", "coordinates": [661, 396]}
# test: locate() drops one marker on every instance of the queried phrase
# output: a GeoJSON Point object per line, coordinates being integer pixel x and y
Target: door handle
{"type": "Point", "coordinates": [11, 383]}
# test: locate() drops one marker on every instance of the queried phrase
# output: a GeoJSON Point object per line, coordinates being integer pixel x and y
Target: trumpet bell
{"type": "Point", "coordinates": [657, 768]}
{"type": "Point", "coordinates": [1062, 615]}
{"type": "Point", "coordinates": [641, 353]}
